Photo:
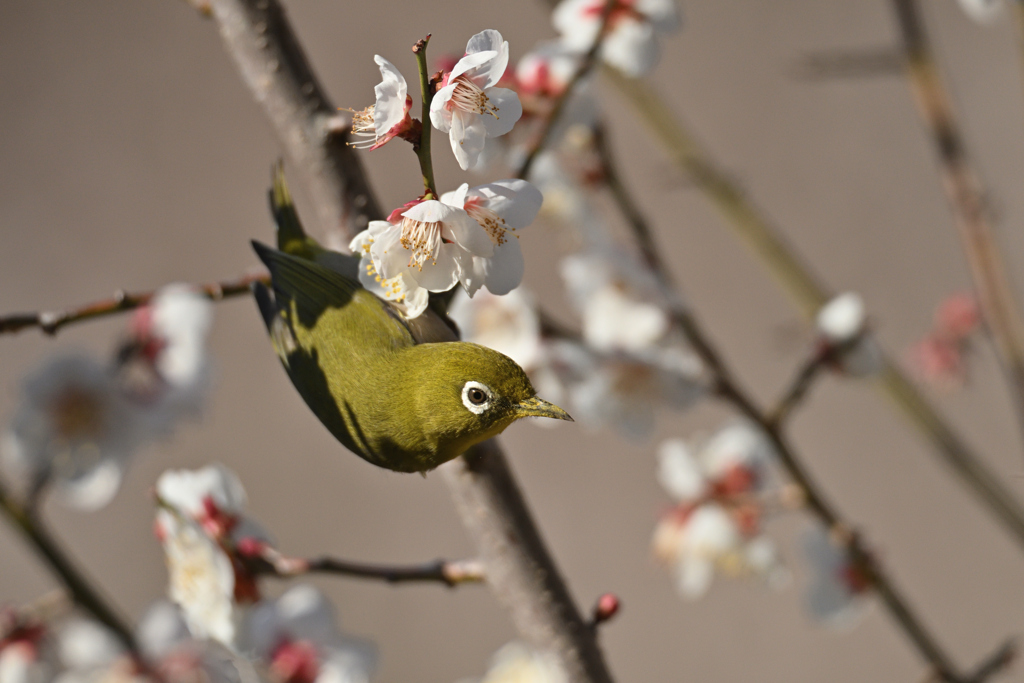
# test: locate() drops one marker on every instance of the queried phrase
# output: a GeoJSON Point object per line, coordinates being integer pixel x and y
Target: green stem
{"type": "Point", "coordinates": [426, 94]}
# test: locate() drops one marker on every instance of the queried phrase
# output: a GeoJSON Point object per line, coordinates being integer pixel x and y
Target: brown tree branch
{"type": "Point", "coordinates": [51, 322]}
{"type": "Point", "coordinates": [753, 227]}
{"type": "Point", "coordinates": [518, 567]}
{"type": "Point", "coordinates": [271, 61]}
{"type": "Point", "coordinates": [270, 562]}
{"type": "Point", "coordinates": [731, 391]}
{"type": "Point", "coordinates": [966, 199]}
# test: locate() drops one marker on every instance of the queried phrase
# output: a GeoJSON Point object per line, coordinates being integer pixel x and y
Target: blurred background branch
{"type": "Point", "coordinates": [809, 294]}
{"type": "Point", "coordinates": [966, 198]}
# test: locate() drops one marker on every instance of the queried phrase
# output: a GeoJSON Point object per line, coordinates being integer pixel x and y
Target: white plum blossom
{"type": "Point", "coordinates": [633, 28]}
{"type": "Point", "coordinates": [176, 655]}
{"type": "Point", "coordinates": [708, 539]}
{"type": "Point", "coordinates": [500, 208]}
{"type": "Point", "coordinates": [732, 462]}
{"type": "Point", "coordinates": [716, 524]}
{"type": "Point", "coordinates": [467, 236]}
{"type": "Point", "coordinates": [983, 11]}
{"type": "Point", "coordinates": [388, 117]}
{"type": "Point", "coordinates": [26, 654]}
{"type": "Point", "coordinates": [198, 524]}
{"type": "Point", "coordinates": [842, 324]}
{"type": "Point", "coordinates": [620, 390]}
{"type": "Point", "coordinates": [467, 106]}
{"type": "Point", "coordinates": [620, 302]}
{"type": "Point", "coordinates": [508, 324]}
{"type": "Point", "coordinates": [837, 586]}
{"type": "Point", "coordinates": [517, 662]}
{"type": "Point", "coordinates": [547, 69]}
{"type": "Point", "coordinates": [400, 289]}
{"type": "Point", "coordinates": [89, 653]}
{"type": "Point", "coordinates": [297, 637]}
{"type": "Point", "coordinates": [75, 430]}
{"type": "Point", "coordinates": [428, 243]}
{"type": "Point", "coordinates": [165, 368]}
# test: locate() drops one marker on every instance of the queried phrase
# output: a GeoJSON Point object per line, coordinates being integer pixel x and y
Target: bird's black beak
{"type": "Point", "coordinates": [538, 407]}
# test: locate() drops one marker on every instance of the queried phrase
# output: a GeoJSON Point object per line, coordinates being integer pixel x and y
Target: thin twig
{"type": "Point", "coordinates": [78, 587]}
{"type": "Point", "coordinates": [966, 199]}
{"type": "Point", "coordinates": [519, 567]}
{"type": "Point", "coordinates": [51, 322]}
{"type": "Point", "coordinates": [730, 390]}
{"type": "Point", "coordinates": [766, 240]}
{"type": "Point", "coordinates": [797, 390]}
{"type": "Point", "coordinates": [582, 71]}
{"type": "Point", "coordinates": [271, 562]}
{"type": "Point", "coordinates": [1004, 655]}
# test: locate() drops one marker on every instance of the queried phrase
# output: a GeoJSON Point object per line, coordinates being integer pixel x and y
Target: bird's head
{"type": "Point", "coordinates": [477, 392]}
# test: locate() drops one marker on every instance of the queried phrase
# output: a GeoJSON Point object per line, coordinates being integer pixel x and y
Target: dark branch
{"type": "Point", "coordinates": [51, 322]}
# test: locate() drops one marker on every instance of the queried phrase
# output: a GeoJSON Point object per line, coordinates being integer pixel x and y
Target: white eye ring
{"type": "Point", "coordinates": [471, 397]}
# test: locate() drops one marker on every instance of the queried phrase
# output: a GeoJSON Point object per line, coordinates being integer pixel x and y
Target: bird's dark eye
{"type": "Point", "coordinates": [476, 397]}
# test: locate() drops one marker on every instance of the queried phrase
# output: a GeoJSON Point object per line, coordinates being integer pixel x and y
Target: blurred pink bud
{"type": "Point", "coordinates": [957, 316]}
{"type": "Point", "coordinates": [606, 607]}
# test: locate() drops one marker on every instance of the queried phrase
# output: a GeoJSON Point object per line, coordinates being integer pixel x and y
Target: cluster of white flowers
{"type": "Point", "coordinates": [81, 420]}
{"type": "Point", "coordinates": [630, 43]}
{"type": "Point", "coordinates": [467, 236]}
{"type": "Point", "coordinates": [207, 540]}
{"type": "Point", "coordinates": [717, 522]}
{"type": "Point", "coordinates": [79, 650]}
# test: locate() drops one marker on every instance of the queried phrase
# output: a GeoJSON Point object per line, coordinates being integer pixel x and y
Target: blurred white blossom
{"type": "Point", "coordinates": [983, 11]}
{"type": "Point", "coordinates": [842, 324]}
{"type": "Point", "coordinates": [198, 523]}
{"type": "Point", "coordinates": [519, 663]}
{"type": "Point", "coordinates": [621, 305]}
{"type": "Point", "coordinates": [26, 654]}
{"type": "Point", "coordinates": [388, 117]}
{"type": "Point", "coordinates": [619, 390]}
{"type": "Point", "coordinates": [507, 324]}
{"type": "Point", "coordinates": [297, 638]}
{"type": "Point", "coordinates": [837, 585]}
{"type": "Point", "coordinates": [634, 26]}
{"type": "Point", "coordinates": [74, 429]}
{"type": "Point", "coordinates": [166, 367]}
{"type": "Point", "coordinates": [467, 106]}
{"type": "Point", "coordinates": [716, 525]}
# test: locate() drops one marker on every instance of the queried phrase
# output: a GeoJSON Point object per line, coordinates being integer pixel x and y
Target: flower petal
{"type": "Point", "coordinates": [456, 198]}
{"type": "Point", "coordinates": [631, 47]}
{"type": "Point", "coordinates": [468, 234]}
{"type": "Point", "coordinates": [505, 269]}
{"type": "Point", "coordinates": [440, 115]}
{"type": "Point", "coordinates": [467, 137]}
{"type": "Point", "coordinates": [391, 92]}
{"type": "Point", "coordinates": [471, 62]}
{"type": "Point", "coordinates": [510, 109]}
{"type": "Point", "coordinates": [441, 274]}
{"type": "Point", "coordinates": [516, 201]}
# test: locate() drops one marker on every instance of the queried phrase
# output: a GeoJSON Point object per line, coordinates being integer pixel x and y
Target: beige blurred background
{"type": "Point", "coordinates": [133, 156]}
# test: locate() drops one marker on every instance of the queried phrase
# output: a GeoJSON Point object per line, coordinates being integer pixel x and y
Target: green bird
{"type": "Point", "coordinates": [392, 398]}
